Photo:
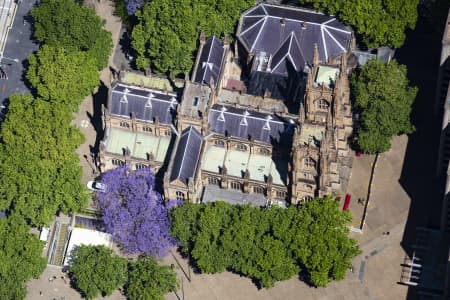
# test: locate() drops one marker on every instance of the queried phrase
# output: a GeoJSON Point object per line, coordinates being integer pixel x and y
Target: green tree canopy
{"type": "Point", "coordinates": [62, 76]}
{"type": "Point", "coordinates": [166, 35]}
{"type": "Point", "coordinates": [149, 281]}
{"type": "Point", "coordinates": [268, 245]}
{"type": "Point", "coordinates": [378, 22]}
{"type": "Point", "coordinates": [96, 270]}
{"type": "Point", "coordinates": [39, 168]}
{"type": "Point", "coordinates": [66, 24]}
{"type": "Point", "coordinates": [20, 257]}
{"type": "Point", "coordinates": [383, 96]}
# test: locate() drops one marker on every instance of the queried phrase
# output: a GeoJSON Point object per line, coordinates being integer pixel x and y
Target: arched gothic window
{"type": "Point", "coordinates": [213, 181]}
{"type": "Point", "coordinates": [236, 185]}
{"type": "Point", "coordinates": [310, 163]}
{"type": "Point", "coordinates": [179, 195]}
{"type": "Point", "coordinates": [306, 199]}
{"type": "Point", "coordinates": [124, 124]}
{"type": "Point", "coordinates": [241, 147]}
{"type": "Point", "coordinates": [323, 104]}
{"type": "Point", "coordinates": [258, 190]}
{"type": "Point", "coordinates": [264, 151]}
{"type": "Point", "coordinates": [219, 143]}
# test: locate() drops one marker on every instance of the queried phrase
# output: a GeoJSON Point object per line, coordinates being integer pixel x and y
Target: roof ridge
{"type": "Point", "coordinates": [297, 8]}
{"type": "Point", "coordinates": [189, 131]}
{"type": "Point", "coordinates": [184, 152]}
{"type": "Point", "coordinates": [138, 88]}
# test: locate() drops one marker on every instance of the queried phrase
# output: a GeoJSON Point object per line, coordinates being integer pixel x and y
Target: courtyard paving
{"type": "Point", "coordinates": [381, 254]}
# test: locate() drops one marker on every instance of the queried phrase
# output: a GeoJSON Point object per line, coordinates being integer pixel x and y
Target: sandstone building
{"type": "Point", "coordinates": [264, 120]}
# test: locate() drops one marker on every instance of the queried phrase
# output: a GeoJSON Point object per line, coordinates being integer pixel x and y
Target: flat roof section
{"type": "Point", "coordinates": [326, 75]}
{"type": "Point", "coordinates": [81, 236]}
{"type": "Point", "coordinates": [214, 158]}
{"type": "Point", "coordinates": [139, 144]}
{"type": "Point", "coordinates": [259, 167]}
{"type": "Point", "coordinates": [311, 134]}
{"type": "Point", "coordinates": [213, 193]}
{"type": "Point", "coordinates": [237, 162]}
{"type": "Point", "coordinates": [119, 140]}
{"type": "Point", "coordinates": [153, 82]}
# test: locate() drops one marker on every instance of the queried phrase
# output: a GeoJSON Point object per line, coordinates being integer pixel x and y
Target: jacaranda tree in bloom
{"type": "Point", "coordinates": [133, 5]}
{"type": "Point", "coordinates": [134, 213]}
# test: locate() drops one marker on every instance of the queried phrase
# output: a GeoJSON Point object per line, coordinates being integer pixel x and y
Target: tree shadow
{"type": "Point", "coordinates": [420, 54]}
{"type": "Point", "coordinates": [23, 77]}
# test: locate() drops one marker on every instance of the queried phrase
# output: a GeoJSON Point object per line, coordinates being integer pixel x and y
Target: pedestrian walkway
{"type": "Point", "coordinates": [105, 10]}
{"type": "Point", "coordinates": [358, 187]}
{"type": "Point", "coordinates": [7, 14]}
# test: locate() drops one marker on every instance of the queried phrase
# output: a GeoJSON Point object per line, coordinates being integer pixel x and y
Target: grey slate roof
{"type": "Point", "coordinates": [266, 28]}
{"type": "Point", "coordinates": [146, 104]}
{"type": "Point", "coordinates": [289, 52]}
{"type": "Point", "coordinates": [187, 155]}
{"type": "Point", "coordinates": [213, 193]}
{"type": "Point", "coordinates": [210, 62]}
{"type": "Point", "coordinates": [279, 86]}
{"type": "Point", "coordinates": [244, 124]}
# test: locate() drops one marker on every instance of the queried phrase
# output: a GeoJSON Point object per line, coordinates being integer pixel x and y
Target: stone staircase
{"type": "Point", "coordinates": [59, 244]}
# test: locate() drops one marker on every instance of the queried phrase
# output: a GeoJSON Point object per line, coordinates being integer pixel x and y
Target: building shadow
{"type": "Point", "coordinates": [99, 99]}
{"type": "Point", "coordinates": [421, 53]}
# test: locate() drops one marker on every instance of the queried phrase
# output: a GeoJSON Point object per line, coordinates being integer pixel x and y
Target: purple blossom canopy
{"type": "Point", "coordinates": [133, 5]}
{"type": "Point", "coordinates": [134, 213]}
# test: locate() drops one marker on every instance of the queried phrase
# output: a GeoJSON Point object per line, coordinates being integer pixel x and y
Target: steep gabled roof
{"type": "Point", "coordinates": [289, 51]}
{"type": "Point", "coordinates": [267, 27]}
{"type": "Point", "coordinates": [146, 104]}
{"type": "Point", "coordinates": [187, 155]}
{"type": "Point", "coordinates": [210, 63]}
{"type": "Point", "coordinates": [244, 124]}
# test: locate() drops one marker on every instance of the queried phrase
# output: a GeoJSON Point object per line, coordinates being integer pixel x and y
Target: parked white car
{"type": "Point", "coordinates": [96, 186]}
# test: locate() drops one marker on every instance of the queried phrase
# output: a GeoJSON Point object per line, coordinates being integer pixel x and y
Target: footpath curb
{"type": "Point", "coordinates": [7, 28]}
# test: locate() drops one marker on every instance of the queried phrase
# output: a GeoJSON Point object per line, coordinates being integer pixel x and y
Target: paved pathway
{"type": "Point", "coordinates": [88, 109]}
{"type": "Point", "coordinates": [88, 117]}
{"type": "Point", "coordinates": [358, 185]}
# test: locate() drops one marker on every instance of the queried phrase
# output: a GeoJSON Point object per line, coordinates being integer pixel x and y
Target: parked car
{"type": "Point", "coordinates": [96, 186]}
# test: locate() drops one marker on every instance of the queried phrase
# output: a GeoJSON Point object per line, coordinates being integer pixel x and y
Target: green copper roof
{"type": "Point", "coordinates": [326, 75]}
{"type": "Point", "coordinates": [140, 145]}
{"type": "Point", "coordinates": [153, 82]}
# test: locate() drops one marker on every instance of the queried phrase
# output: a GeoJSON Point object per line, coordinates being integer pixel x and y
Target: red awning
{"type": "Point", "coordinates": [347, 201]}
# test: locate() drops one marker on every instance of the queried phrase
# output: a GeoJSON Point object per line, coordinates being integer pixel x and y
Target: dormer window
{"type": "Point", "coordinates": [222, 116]}
{"type": "Point", "coordinates": [124, 98]}
{"type": "Point", "coordinates": [267, 123]}
{"type": "Point", "coordinates": [173, 101]}
{"type": "Point", "coordinates": [208, 65]}
{"type": "Point", "coordinates": [244, 119]}
{"type": "Point", "coordinates": [148, 104]}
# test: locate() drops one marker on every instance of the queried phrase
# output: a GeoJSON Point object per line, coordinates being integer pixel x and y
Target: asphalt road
{"type": "Point", "coordinates": [19, 45]}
